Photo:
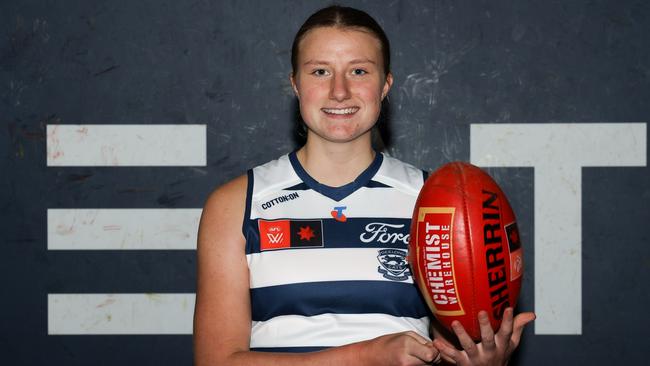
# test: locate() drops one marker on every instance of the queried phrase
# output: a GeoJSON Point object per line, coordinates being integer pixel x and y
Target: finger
{"type": "Point", "coordinates": [438, 358]}
{"type": "Point", "coordinates": [520, 322]}
{"type": "Point", "coordinates": [487, 334]}
{"type": "Point", "coordinates": [505, 330]}
{"type": "Point", "coordinates": [438, 335]}
{"type": "Point", "coordinates": [465, 340]}
{"type": "Point", "coordinates": [440, 342]}
{"type": "Point", "coordinates": [423, 352]}
{"type": "Point", "coordinates": [447, 351]}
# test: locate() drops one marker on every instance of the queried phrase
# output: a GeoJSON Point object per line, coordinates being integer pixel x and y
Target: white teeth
{"type": "Point", "coordinates": [341, 110]}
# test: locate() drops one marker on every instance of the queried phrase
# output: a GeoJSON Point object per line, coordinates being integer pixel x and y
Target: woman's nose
{"type": "Point", "coordinates": [339, 88]}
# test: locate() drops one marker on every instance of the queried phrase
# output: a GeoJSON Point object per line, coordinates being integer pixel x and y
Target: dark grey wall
{"type": "Point", "coordinates": [225, 64]}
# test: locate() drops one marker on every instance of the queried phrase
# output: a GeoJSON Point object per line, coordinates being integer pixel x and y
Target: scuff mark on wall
{"type": "Point", "coordinates": [106, 70]}
{"type": "Point", "coordinates": [54, 150]}
{"type": "Point", "coordinates": [106, 302]}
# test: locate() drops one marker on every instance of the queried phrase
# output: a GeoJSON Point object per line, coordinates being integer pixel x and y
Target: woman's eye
{"type": "Point", "coordinates": [359, 72]}
{"type": "Point", "coordinates": [319, 72]}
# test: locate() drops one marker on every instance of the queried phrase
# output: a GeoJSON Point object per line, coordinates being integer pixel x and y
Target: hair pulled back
{"type": "Point", "coordinates": [342, 17]}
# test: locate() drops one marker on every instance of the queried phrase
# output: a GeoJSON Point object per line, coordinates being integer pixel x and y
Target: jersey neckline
{"type": "Point", "coordinates": [336, 193]}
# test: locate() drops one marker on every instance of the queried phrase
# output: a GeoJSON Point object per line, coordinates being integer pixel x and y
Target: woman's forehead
{"type": "Point", "coordinates": [333, 42]}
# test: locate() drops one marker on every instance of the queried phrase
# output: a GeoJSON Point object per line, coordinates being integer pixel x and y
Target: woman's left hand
{"type": "Point", "coordinates": [494, 349]}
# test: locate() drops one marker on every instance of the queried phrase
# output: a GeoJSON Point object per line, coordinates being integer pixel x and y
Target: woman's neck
{"type": "Point", "coordinates": [335, 164]}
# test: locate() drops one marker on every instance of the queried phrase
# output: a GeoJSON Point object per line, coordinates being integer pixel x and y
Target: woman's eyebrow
{"type": "Point", "coordinates": [315, 62]}
{"type": "Point", "coordinates": [353, 62]}
{"type": "Point", "coordinates": [362, 61]}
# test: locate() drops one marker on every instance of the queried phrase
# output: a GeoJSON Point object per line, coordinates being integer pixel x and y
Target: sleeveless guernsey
{"type": "Point", "coordinates": [328, 265]}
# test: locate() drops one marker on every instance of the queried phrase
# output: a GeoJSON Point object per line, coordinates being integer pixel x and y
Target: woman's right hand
{"type": "Point", "coordinates": [400, 349]}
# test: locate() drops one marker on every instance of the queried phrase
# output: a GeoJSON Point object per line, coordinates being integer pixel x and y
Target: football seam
{"type": "Point", "coordinates": [471, 251]}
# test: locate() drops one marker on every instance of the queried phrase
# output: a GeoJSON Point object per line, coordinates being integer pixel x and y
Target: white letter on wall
{"type": "Point", "coordinates": [558, 152]}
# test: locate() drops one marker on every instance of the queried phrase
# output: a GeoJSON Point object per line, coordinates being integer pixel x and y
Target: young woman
{"type": "Point", "coordinates": [316, 275]}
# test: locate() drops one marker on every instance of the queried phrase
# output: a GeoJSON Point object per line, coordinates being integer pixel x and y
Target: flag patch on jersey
{"type": "Point", "coordinates": [281, 234]}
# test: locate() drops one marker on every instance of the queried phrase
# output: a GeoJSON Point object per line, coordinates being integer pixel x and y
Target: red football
{"type": "Point", "coordinates": [465, 252]}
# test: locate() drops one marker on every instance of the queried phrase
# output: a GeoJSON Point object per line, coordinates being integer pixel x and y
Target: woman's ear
{"type": "Point", "coordinates": [293, 85]}
{"type": "Point", "coordinates": [387, 85]}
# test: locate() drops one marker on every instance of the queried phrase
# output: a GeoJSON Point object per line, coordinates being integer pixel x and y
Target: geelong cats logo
{"type": "Point", "coordinates": [393, 264]}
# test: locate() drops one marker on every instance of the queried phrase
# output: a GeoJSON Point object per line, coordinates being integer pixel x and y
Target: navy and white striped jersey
{"type": "Point", "coordinates": [328, 264]}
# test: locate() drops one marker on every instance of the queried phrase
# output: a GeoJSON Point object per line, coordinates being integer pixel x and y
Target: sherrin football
{"type": "Point", "coordinates": [465, 253]}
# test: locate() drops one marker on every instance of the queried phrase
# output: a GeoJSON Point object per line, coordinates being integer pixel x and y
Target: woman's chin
{"type": "Point", "coordinates": [343, 135]}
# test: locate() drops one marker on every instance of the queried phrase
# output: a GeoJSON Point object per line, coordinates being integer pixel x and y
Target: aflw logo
{"type": "Point", "coordinates": [275, 238]}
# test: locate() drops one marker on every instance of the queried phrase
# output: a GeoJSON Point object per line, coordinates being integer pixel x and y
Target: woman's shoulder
{"type": "Point", "coordinates": [229, 195]}
{"type": "Point", "coordinates": [233, 193]}
{"type": "Point", "coordinates": [395, 162]}
{"type": "Point", "coordinates": [401, 175]}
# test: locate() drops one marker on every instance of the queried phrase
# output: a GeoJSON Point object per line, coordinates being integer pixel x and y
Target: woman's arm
{"type": "Point", "coordinates": [222, 316]}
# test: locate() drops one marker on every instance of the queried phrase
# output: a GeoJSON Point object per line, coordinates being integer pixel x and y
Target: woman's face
{"type": "Point", "coordinates": [340, 83]}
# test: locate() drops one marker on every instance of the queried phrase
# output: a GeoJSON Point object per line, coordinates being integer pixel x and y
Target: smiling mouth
{"type": "Point", "coordinates": [340, 111]}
